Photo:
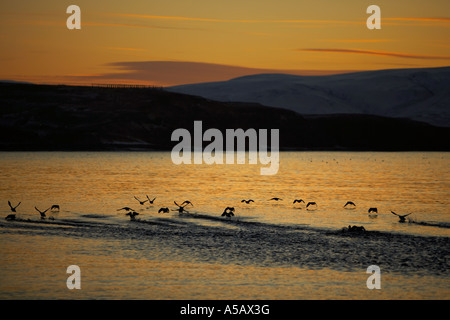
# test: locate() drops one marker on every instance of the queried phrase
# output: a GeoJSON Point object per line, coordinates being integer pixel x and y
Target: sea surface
{"type": "Point", "coordinates": [268, 250]}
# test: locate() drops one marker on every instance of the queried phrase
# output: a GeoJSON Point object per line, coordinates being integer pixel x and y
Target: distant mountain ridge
{"type": "Point", "coordinates": [417, 94]}
{"type": "Point", "coordinates": [46, 117]}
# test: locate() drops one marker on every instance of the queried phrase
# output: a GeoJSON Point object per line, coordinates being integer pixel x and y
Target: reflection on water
{"type": "Point", "coordinates": [163, 259]}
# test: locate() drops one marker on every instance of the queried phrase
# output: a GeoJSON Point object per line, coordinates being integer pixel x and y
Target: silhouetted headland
{"type": "Point", "coordinates": [77, 118]}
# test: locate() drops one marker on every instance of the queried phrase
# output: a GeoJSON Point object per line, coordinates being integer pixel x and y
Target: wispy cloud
{"type": "Point", "coordinates": [125, 49]}
{"type": "Point", "coordinates": [102, 24]}
{"type": "Point", "coordinates": [59, 23]}
{"type": "Point", "coordinates": [357, 40]}
{"type": "Point", "coordinates": [419, 19]}
{"type": "Point", "coordinates": [378, 53]}
{"type": "Point", "coordinates": [178, 18]}
{"type": "Point", "coordinates": [169, 73]}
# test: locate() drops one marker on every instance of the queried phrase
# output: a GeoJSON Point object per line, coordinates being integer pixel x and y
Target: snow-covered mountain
{"type": "Point", "coordinates": [419, 94]}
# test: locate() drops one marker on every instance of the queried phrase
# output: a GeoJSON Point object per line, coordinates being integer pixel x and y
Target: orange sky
{"type": "Point", "coordinates": [173, 42]}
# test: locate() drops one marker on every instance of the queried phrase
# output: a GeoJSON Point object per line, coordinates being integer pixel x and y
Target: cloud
{"type": "Point", "coordinates": [126, 49]}
{"type": "Point", "coordinates": [357, 40]}
{"type": "Point", "coordinates": [169, 73]}
{"type": "Point", "coordinates": [419, 19]}
{"type": "Point", "coordinates": [101, 24]}
{"type": "Point", "coordinates": [178, 18]}
{"type": "Point", "coordinates": [379, 53]}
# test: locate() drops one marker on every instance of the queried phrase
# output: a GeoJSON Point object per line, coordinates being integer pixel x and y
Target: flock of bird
{"type": "Point", "coordinates": [228, 212]}
{"type": "Point", "coordinates": [12, 216]}
{"type": "Point", "coordinates": [133, 213]}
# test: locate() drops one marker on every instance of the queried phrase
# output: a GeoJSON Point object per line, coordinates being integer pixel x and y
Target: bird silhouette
{"type": "Point", "coordinates": [401, 217]}
{"type": "Point", "coordinates": [42, 212]}
{"type": "Point", "coordinates": [373, 210]}
{"type": "Point", "coordinates": [163, 210]}
{"type": "Point", "coordinates": [276, 199]}
{"type": "Point", "coordinates": [13, 209]}
{"type": "Point", "coordinates": [181, 208]}
{"type": "Point", "coordinates": [125, 208]}
{"type": "Point", "coordinates": [311, 204]}
{"type": "Point", "coordinates": [298, 200]}
{"type": "Point", "coordinates": [247, 201]}
{"type": "Point", "coordinates": [140, 201]}
{"type": "Point", "coordinates": [350, 203]}
{"type": "Point", "coordinates": [228, 212]}
{"type": "Point", "coordinates": [132, 215]}
{"type": "Point", "coordinates": [150, 201]}
{"type": "Point", "coordinates": [55, 207]}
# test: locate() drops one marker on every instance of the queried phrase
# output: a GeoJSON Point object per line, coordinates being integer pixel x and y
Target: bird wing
{"type": "Point", "coordinates": [177, 204]}
{"type": "Point", "coordinates": [37, 210]}
{"type": "Point", "coordinates": [137, 199]}
{"type": "Point", "coordinates": [395, 213]}
{"type": "Point", "coordinates": [406, 215]}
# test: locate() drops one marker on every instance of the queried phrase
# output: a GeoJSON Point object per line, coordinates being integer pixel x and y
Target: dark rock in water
{"type": "Point", "coordinates": [354, 229]}
{"type": "Point", "coordinates": [10, 217]}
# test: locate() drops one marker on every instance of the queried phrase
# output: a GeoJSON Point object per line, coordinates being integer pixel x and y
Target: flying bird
{"type": "Point", "coordinates": [186, 202]}
{"type": "Point", "coordinates": [298, 200]}
{"type": "Point", "coordinates": [141, 202]}
{"type": "Point", "coordinates": [150, 201]}
{"type": "Point", "coordinates": [276, 199]}
{"type": "Point", "coordinates": [350, 203]}
{"type": "Point", "coordinates": [228, 212]}
{"type": "Point", "coordinates": [181, 208]}
{"type": "Point", "coordinates": [163, 210]}
{"type": "Point", "coordinates": [42, 212]}
{"type": "Point", "coordinates": [401, 217]}
{"type": "Point", "coordinates": [373, 210]}
{"type": "Point", "coordinates": [311, 204]}
{"type": "Point", "coordinates": [132, 215]}
{"type": "Point", "coordinates": [126, 209]}
{"type": "Point", "coordinates": [247, 201]}
{"type": "Point", "coordinates": [54, 207]}
{"type": "Point", "coordinates": [13, 209]}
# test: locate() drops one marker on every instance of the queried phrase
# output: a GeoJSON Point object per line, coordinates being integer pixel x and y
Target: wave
{"type": "Point", "coordinates": [432, 224]}
{"type": "Point", "coordinates": [95, 216]}
{"type": "Point", "coordinates": [251, 242]}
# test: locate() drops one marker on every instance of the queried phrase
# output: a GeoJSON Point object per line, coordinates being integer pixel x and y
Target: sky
{"type": "Point", "coordinates": [163, 43]}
